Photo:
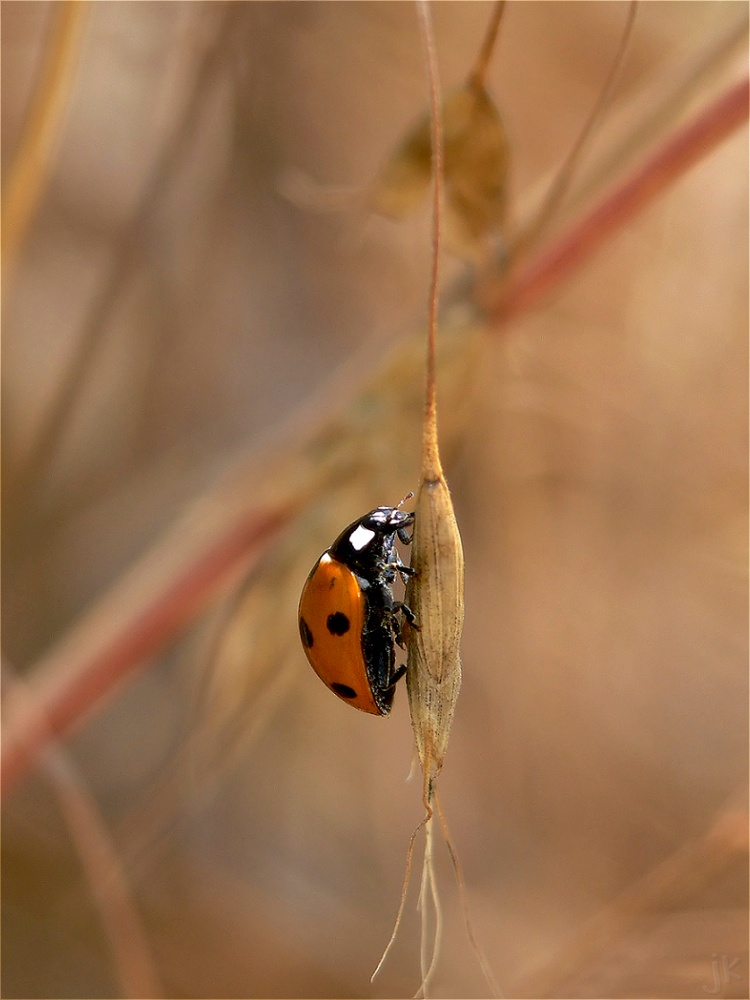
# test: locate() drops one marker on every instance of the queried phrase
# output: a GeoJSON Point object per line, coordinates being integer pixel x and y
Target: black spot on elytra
{"type": "Point", "coordinates": [344, 690]}
{"type": "Point", "coordinates": [338, 624]}
{"type": "Point", "coordinates": [305, 634]}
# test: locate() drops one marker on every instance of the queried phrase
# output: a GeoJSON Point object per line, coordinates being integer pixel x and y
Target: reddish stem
{"type": "Point", "coordinates": [66, 693]}
{"type": "Point", "coordinates": [553, 264]}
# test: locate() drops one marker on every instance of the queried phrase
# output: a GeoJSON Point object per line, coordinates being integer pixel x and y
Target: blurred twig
{"type": "Point", "coordinates": [31, 164]}
{"type": "Point", "coordinates": [140, 615]}
{"type": "Point", "coordinates": [665, 108]}
{"type": "Point", "coordinates": [683, 874]}
{"type": "Point", "coordinates": [99, 860]}
{"type": "Point", "coordinates": [478, 75]}
{"type": "Point", "coordinates": [55, 421]}
{"type": "Point", "coordinates": [557, 192]}
{"type": "Point", "coordinates": [554, 263]}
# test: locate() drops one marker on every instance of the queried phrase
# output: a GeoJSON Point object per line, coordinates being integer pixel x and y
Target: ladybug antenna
{"type": "Point", "coordinates": [402, 502]}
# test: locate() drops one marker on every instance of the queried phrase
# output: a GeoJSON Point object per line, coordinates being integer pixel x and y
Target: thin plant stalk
{"type": "Point", "coordinates": [569, 168]}
{"type": "Point", "coordinates": [478, 75]}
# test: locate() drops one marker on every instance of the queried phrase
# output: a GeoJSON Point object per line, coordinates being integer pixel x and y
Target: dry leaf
{"type": "Point", "coordinates": [475, 170]}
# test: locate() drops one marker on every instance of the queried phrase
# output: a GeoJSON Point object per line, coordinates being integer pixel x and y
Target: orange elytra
{"type": "Point", "coordinates": [349, 620]}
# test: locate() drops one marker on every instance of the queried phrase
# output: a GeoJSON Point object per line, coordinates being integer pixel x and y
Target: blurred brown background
{"type": "Point", "coordinates": [601, 488]}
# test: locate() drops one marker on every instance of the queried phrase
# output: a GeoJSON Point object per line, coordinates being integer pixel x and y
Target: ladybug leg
{"type": "Point", "coordinates": [402, 569]}
{"type": "Point", "coordinates": [398, 673]}
{"type": "Point", "coordinates": [410, 619]}
{"type": "Point", "coordinates": [404, 536]}
{"type": "Point", "coordinates": [408, 614]}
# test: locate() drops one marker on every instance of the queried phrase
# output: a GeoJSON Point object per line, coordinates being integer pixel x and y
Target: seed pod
{"type": "Point", "coordinates": [436, 596]}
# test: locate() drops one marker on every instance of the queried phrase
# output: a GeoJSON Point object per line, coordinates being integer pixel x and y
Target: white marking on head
{"type": "Point", "coordinates": [361, 537]}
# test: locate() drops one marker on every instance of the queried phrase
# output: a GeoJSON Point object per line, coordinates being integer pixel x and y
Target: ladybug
{"type": "Point", "coordinates": [348, 617]}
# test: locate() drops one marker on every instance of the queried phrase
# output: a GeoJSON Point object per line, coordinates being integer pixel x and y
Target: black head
{"type": "Point", "coordinates": [367, 545]}
{"type": "Point", "coordinates": [387, 520]}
